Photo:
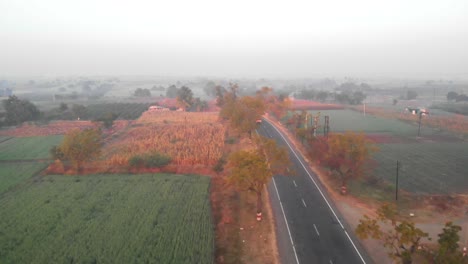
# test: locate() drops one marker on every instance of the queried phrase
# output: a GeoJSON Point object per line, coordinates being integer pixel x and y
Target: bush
{"type": "Point", "coordinates": [136, 161]}
{"type": "Point", "coordinates": [219, 166]}
{"type": "Point", "coordinates": [156, 160]}
{"type": "Point", "coordinates": [152, 160]}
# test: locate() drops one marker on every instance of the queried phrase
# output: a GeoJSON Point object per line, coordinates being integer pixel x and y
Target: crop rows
{"type": "Point", "coordinates": [14, 173]}
{"type": "Point", "coordinates": [186, 144]}
{"type": "Point", "coordinates": [425, 168]}
{"type": "Point", "coordinates": [171, 117]}
{"type": "Point", "coordinates": [108, 219]}
{"type": "Point", "coordinates": [188, 138]}
{"type": "Point", "coordinates": [26, 148]}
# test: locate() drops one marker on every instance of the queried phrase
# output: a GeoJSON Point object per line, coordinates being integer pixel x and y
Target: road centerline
{"type": "Point", "coordinates": [316, 230]}
{"type": "Point", "coordinates": [320, 190]}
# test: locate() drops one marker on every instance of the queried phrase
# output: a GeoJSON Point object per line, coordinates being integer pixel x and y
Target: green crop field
{"type": "Point", "coordinates": [14, 173]}
{"type": "Point", "coordinates": [27, 148]}
{"type": "Point", "coordinates": [342, 120]}
{"type": "Point", "coordinates": [425, 168]}
{"type": "Point", "coordinates": [108, 219]}
{"type": "Point", "coordinates": [349, 120]}
{"type": "Point", "coordinates": [122, 110]}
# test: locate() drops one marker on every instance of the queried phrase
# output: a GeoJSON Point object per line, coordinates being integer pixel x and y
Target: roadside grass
{"type": "Point", "coordinates": [108, 219]}
{"type": "Point", "coordinates": [26, 148]}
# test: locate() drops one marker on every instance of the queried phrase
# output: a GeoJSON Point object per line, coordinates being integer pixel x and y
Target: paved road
{"type": "Point", "coordinates": [309, 228]}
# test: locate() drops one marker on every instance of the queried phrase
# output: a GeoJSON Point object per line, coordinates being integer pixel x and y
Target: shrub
{"type": "Point", "coordinates": [152, 160]}
{"type": "Point", "coordinates": [156, 160]}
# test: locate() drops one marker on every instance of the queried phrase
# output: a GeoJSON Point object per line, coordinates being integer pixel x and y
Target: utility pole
{"type": "Point", "coordinates": [419, 127]}
{"type": "Point", "coordinates": [326, 126]}
{"type": "Point", "coordinates": [397, 170]}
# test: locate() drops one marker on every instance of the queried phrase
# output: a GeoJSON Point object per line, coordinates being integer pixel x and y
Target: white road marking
{"type": "Point", "coordinates": [294, 183]}
{"type": "Point", "coordinates": [286, 221]}
{"type": "Point", "coordinates": [305, 205]}
{"type": "Point", "coordinates": [316, 230]}
{"type": "Point", "coordinates": [331, 262]}
{"type": "Point", "coordinates": [320, 191]}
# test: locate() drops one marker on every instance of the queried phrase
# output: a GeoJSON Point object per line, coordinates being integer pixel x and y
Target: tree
{"type": "Point", "coordinates": [252, 169]}
{"type": "Point", "coordinates": [185, 97]}
{"type": "Point", "coordinates": [17, 111]}
{"type": "Point", "coordinates": [172, 91]}
{"type": "Point", "coordinates": [63, 107]}
{"type": "Point", "coordinates": [358, 97]}
{"type": "Point", "coordinates": [322, 96]}
{"type": "Point", "coordinates": [448, 245]}
{"type": "Point", "coordinates": [245, 112]}
{"type": "Point", "coordinates": [79, 111]}
{"type": "Point", "coordinates": [142, 92]}
{"type": "Point", "coordinates": [220, 93]}
{"type": "Point", "coordinates": [81, 146]}
{"type": "Point", "coordinates": [345, 154]}
{"type": "Point", "coordinates": [107, 120]}
{"type": "Point", "coordinates": [209, 88]}
{"type": "Point", "coordinates": [451, 96]}
{"type": "Point", "coordinates": [402, 238]}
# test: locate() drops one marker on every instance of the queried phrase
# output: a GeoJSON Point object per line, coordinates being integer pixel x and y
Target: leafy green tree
{"type": "Point", "coordinates": [220, 93]}
{"type": "Point", "coordinates": [358, 97]}
{"type": "Point", "coordinates": [107, 120]}
{"type": "Point", "coordinates": [81, 146]}
{"type": "Point", "coordinates": [172, 91]}
{"type": "Point", "coordinates": [448, 245]}
{"type": "Point", "coordinates": [17, 111]}
{"type": "Point", "coordinates": [79, 111]}
{"type": "Point", "coordinates": [142, 92]}
{"type": "Point", "coordinates": [250, 170]}
{"type": "Point", "coordinates": [209, 88]}
{"type": "Point", "coordinates": [402, 238]}
{"type": "Point", "coordinates": [185, 97]}
{"type": "Point", "coordinates": [63, 107]}
{"type": "Point", "coordinates": [452, 96]}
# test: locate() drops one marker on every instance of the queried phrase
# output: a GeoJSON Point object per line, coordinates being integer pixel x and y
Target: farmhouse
{"type": "Point", "coordinates": [157, 108]}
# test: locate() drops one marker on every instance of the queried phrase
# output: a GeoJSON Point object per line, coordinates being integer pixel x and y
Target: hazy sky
{"type": "Point", "coordinates": [267, 38]}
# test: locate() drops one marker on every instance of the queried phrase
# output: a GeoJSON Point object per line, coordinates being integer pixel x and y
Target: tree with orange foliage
{"type": "Point", "coordinates": [252, 169]}
{"type": "Point", "coordinates": [345, 154]}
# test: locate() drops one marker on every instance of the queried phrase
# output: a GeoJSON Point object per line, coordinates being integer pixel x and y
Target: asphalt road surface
{"type": "Point", "coordinates": [309, 228]}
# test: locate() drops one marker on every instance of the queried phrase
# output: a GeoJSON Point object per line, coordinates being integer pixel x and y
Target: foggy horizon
{"type": "Point", "coordinates": [298, 39]}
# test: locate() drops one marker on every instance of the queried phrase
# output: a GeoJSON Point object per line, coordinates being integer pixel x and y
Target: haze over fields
{"type": "Point", "coordinates": [286, 39]}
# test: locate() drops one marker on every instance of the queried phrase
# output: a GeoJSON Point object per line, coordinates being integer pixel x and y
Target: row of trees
{"type": "Point", "coordinates": [454, 96]}
{"type": "Point", "coordinates": [251, 170]}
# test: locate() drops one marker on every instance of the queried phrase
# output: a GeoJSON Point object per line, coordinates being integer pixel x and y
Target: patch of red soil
{"type": "Point", "coordinates": [300, 104]}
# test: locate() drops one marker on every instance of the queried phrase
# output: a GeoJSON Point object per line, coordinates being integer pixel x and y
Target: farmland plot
{"type": "Point", "coordinates": [122, 110]}
{"type": "Point", "coordinates": [14, 173]}
{"type": "Point", "coordinates": [429, 168]}
{"type": "Point", "coordinates": [108, 219]}
{"type": "Point", "coordinates": [27, 148]}
{"type": "Point", "coordinates": [188, 138]}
